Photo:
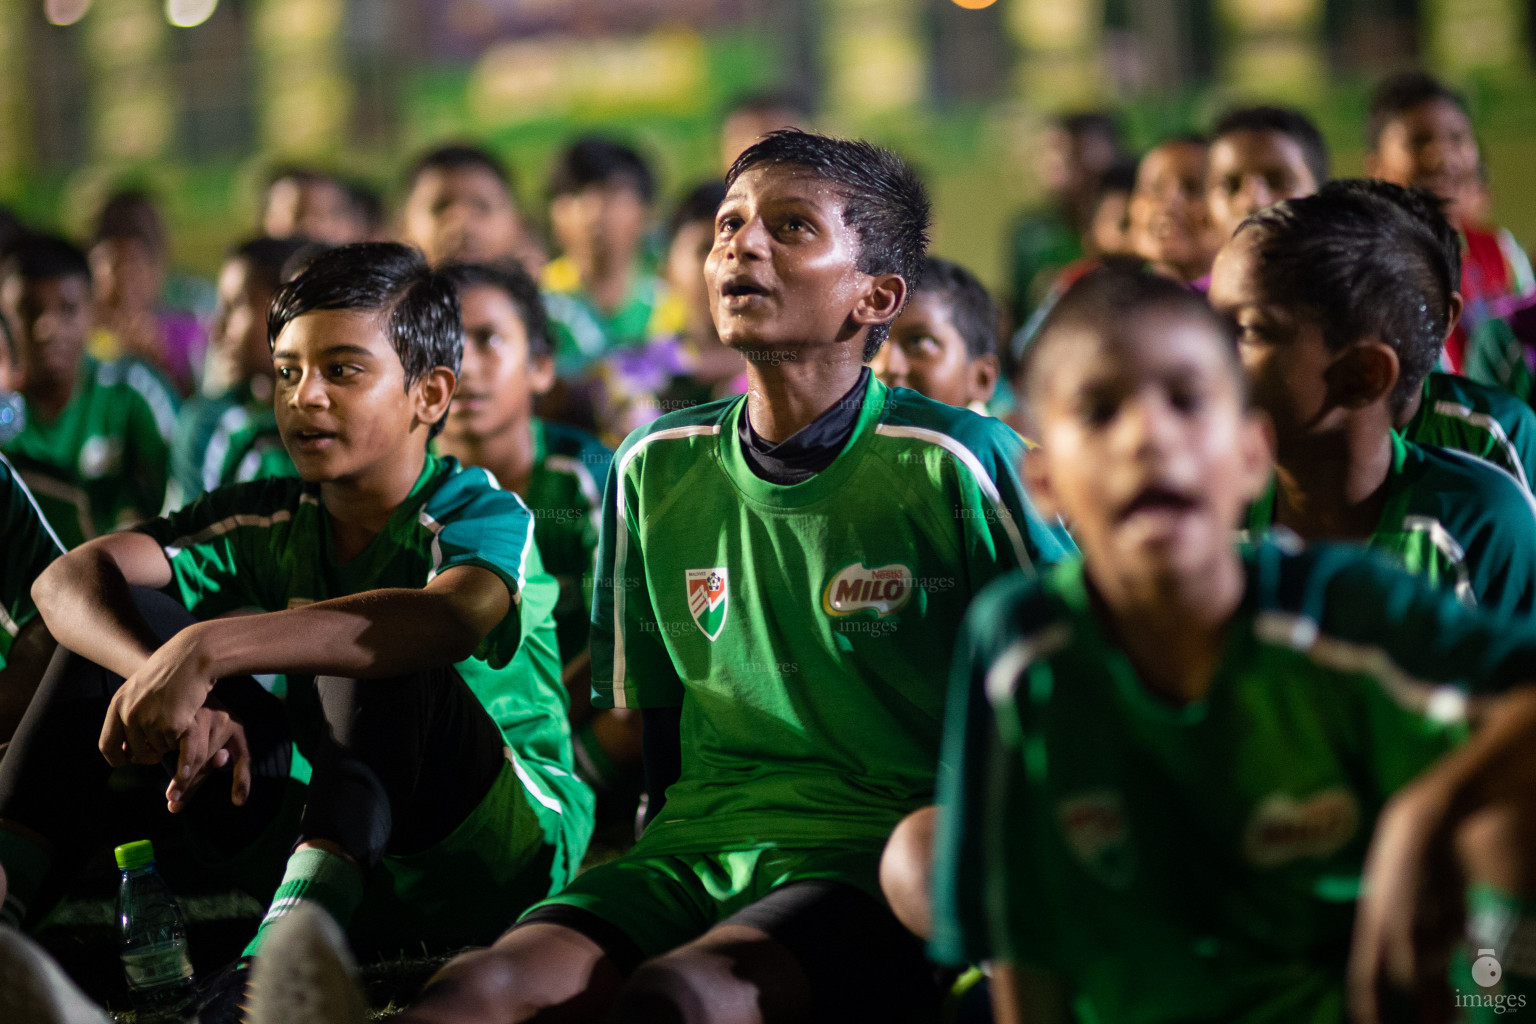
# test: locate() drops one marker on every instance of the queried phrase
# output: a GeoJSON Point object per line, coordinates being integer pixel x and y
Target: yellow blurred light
{"type": "Point", "coordinates": [65, 12]}
{"type": "Point", "coordinates": [189, 13]}
{"type": "Point", "coordinates": [974, 5]}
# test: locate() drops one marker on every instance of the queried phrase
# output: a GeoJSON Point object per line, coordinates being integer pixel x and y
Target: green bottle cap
{"type": "Point", "coordinates": [135, 855]}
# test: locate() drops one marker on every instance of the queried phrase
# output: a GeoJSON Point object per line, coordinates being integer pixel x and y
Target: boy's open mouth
{"type": "Point", "coordinates": [310, 437]}
{"type": "Point", "coordinates": [741, 288]}
{"type": "Point", "coordinates": [1157, 500]}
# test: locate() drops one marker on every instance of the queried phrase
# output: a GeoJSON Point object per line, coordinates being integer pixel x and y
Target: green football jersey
{"type": "Point", "coordinates": [1497, 357]}
{"type": "Point", "coordinates": [1454, 520]}
{"type": "Point", "coordinates": [565, 496]}
{"type": "Point", "coordinates": [30, 545]}
{"type": "Point", "coordinates": [1477, 419]}
{"type": "Point", "coordinates": [267, 545]}
{"type": "Point", "coordinates": [103, 461]}
{"type": "Point", "coordinates": [804, 629]}
{"type": "Point", "coordinates": [205, 430]}
{"type": "Point", "coordinates": [256, 452]}
{"type": "Point", "coordinates": [1198, 862]}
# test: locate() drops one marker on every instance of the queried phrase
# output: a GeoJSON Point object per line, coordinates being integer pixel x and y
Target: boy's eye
{"type": "Point", "coordinates": [1186, 399]}
{"type": "Point", "coordinates": [923, 344]}
{"type": "Point", "coordinates": [285, 373]}
{"type": "Point", "coordinates": [1096, 411]}
{"type": "Point", "coordinates": [342, 370]}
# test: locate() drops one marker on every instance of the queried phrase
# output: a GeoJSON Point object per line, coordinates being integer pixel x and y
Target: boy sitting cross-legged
{"type": "Point", "coordinates": [1180, 774]}
{"type": "Point", "coordinates": [780, 575]}
{"type": "Point", "coordinates": [404, 599]}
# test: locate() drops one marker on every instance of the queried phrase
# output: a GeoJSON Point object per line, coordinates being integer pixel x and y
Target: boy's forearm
{"type": "Point", "coordinates": [1498, 762]}
{"type": "Point", "coordinates": [376, 634]}
{"type": "Point", "coordinates": [88, 606]}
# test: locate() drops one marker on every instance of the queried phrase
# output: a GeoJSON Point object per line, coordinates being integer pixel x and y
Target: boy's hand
{"type": "Point", "coordinates": [156, 706]}
{"type": "Point", "coordinates": [216, 740]}
{"type": "Point", "coordinates": [1410, 915]}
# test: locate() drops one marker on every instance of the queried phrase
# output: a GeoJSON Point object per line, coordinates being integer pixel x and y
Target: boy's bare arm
{"type": "Point", "coordinates": [85, 599]}
{"type": "Point", "coordinates": [374, 634]}
{"type": "Point", "coordinates": [1411, 910]}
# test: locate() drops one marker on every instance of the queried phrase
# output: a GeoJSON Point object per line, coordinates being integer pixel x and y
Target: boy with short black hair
{"type": "Point", "coordinates": [238, 377]}
{"type": "Point", "coordinates": [95, 450]}
{"type": "Point", "coordinates": [1261, 155]}
{"type": "Point", "coordinates": [1452, 411]}
{"type": "Point", "coordinates": [782, 628]}
{"type": "Point", "coordinates": [944, 344]}
{"type": "Point", "coordinates": [1170, 223]}
{"type": "Point", "coordinates": [555, 468]}
{"type": "Point", "coordinates": [600, 294]}
{"type": "Point", "coordinates": [403, 596]}
{"type": "Point", "coordinates": [1419, 133]}
{"type": "Point", "coordinates": [1342, 302]}
{"type": "Point", "coordinates": [1164, 761]}
{"type": "Point", "coordinates": [309, 203]}
{"type": "Point", "coordinates": [460, 205]}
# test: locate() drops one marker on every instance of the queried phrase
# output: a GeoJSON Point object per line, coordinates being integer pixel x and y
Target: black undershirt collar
{"type": "Point", "coordinates": [808, 450]}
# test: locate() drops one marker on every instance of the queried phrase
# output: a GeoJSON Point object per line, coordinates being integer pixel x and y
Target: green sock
{"type": "Point", "coordinates": [26, 865]}
{"type": "Point", "coordinates": [1505, 924]}
{"type": "Point", "coordinates": [314, 876]}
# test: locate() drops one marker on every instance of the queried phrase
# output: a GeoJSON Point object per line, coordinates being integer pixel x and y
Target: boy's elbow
{"type": "Point", "coordinates": [51, 585]}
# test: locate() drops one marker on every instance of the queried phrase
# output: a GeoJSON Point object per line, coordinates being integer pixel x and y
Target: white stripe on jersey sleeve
{"type": "Point", "coordinates": [1455, 410]}
{"type": "Point", "coordinates": [986, 483]}
{"type": "Point", "coordinates": [584, 480]}
{"type": "Point", "coordinates": [1438, 702]}
{"type": "Point", "coordinates": [621, 544]}
{"type": "Point", "coordinates": [22, 485]}
{"type": "Point", "coordinates": [1003, 675]}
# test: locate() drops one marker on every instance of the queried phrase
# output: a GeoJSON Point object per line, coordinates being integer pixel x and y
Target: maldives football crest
{"type": "Point", "coordinates": [708, 600]}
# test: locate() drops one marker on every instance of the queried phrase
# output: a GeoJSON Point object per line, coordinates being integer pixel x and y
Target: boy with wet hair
{"type": "Point", "coordinates": [1342, 304]}
{"type": "Point", "coordinates": [1419, 133]}
{"type": "Point", "coordinates": [600, 293]}
{"type": "Point", "coordinates": [1185, 780]}
{"type": "Point", "coordinates": [944, 344]}
{"type": "Point", "coordinates": [791, 705]}
{"type": "Point", "coordinates": [460, 204]}
{"type": "Point", "coordinates": [238, 378]}
{"type": "Point", "coordinates": [1261, 155]}
{"type": "Point", "coordinates": [404, 598]}
{"type": "Point", "coordinates": [95, 449]}
{"type": "Point", "coordinates": [1452, 411]}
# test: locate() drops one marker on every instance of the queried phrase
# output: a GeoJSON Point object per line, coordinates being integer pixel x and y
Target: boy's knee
{"type": "Point", "coordinates": [906, 871]}
{"type": "Point", "coordinates": [1496, 846]}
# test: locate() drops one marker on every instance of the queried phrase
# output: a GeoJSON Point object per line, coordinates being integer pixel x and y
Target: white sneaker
{"type": "Point", "coordinates": [35, 989]}
{"type": "Point", "coordinates": [304, 973]}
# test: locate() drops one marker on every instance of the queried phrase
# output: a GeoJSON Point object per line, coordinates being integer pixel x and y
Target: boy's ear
{"type": "Point", "coordinates": [1363, 375]}
{"type": "Point", "coordinates": [1037, 481]}
{"type": "Point", "coordinates": [1372, 164]}
{"type": "Point", "coordinates": [433, 393]}
{"type": "Point", "coordinates": [984, 373]}
{"type": "Point", "coordinates": [541, 374]}
{"type": "Point", "coordinates": [883, 297]}
{"type": "Point", "coordinates": [1457, 304]}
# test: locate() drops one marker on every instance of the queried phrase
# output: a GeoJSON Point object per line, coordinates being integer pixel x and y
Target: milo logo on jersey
{"type": "Point", "coordinates": [1096, 829]}
{"type": "Point", "coordinates": [1284, 829]}
{"type": "Point", "coordinates": [855, 588]}
{"type": "Point", "coordinates": [707, 599]}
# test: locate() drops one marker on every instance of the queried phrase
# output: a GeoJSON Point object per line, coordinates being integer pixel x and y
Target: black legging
{"type": "Point", "coordinates": [398, 763]}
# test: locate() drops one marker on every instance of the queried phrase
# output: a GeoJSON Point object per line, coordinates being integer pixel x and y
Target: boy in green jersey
{"type": "Point", "coordinates": [25, 644]}
{"type": "Point", "coordinates": [1165, 762]}
{"type": "Point", "coordinates": [95, 448]}
{"type": "Point", "coordinates": [237, 375]}
{"type": "Point", "coordinates": [944, 344]}
{"type": "Point", "coordinates": [780, 574]}
{"type": "Point", "coordinates": [557, 469]}
{"type": "Point", "coordinates": [1453, 411]}
{"type": "Point", "coordinates": [405, 600]}
{"type": "Point", "coordinates": [1341, 300]}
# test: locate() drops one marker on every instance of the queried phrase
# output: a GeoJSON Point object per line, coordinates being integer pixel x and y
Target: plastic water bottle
{"type": "Point", "coordinates": [152, 937]}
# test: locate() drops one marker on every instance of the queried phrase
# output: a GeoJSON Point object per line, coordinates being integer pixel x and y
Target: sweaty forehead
{"type": "Point", "coordinates": [785, 181]}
